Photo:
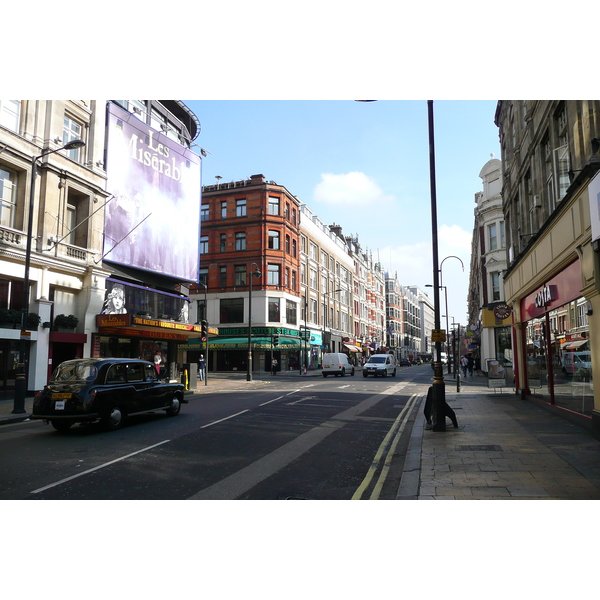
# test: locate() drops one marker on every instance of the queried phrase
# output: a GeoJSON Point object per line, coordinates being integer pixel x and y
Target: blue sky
{"type": "Point", "coordinates": [365, 166]}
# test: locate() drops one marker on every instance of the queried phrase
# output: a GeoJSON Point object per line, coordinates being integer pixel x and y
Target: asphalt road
{"type": "Point", "coordinates": [289, 438]}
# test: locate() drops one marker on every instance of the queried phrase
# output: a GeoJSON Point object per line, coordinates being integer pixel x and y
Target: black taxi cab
{"type": "Point", "coordinates": [106, 390]}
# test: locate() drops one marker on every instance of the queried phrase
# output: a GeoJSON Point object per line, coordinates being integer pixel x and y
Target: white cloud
{"type": "Point", "coordinates": [455, 237]}
{"type": "Point", "coordinates": [349, 189]}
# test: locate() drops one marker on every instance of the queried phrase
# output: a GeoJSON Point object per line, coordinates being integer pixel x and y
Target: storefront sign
{"type": "Point", "coordinates": [113, 320]}
{"type": "Point", "coordinates": [560, 289]}
{"type": "Point", "coordinates": [502, 311]}
{"type": "Point", "coordinates": [258, 331]}
{"type": "Point", "coordinates": [167, 324]}
{"type": "Point", "coordinates": [156, 335]}
{"type": "Point", "coordinates": [544, 296]}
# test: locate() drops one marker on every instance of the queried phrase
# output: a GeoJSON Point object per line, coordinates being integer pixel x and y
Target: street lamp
{"type": "Point", "coordinates": [21, 379]}
{"type": "Point", "coordinates": [206, 320]}
{"type": "Point", "coordinates": [255, 273]}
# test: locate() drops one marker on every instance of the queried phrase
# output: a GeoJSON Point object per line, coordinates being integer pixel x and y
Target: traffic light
{"type": "Point", "coordinates": [204, 327]}
{"type": "Point", "coordinates": [275, 340]}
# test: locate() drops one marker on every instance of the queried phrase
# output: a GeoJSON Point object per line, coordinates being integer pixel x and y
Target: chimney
{"type": "Point", "coordinates": [257, 178]}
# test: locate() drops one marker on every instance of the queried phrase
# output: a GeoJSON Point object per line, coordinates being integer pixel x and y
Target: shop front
{"type": "Point", "coordinates": [128, 336]}
{"type": "Point", "coordinates": [555, 362]}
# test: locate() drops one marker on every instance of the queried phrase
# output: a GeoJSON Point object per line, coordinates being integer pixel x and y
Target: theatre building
{"type": "Point", "coordinates": [99, 228]}
{"type": "Point", "coordinates": [552, 283]}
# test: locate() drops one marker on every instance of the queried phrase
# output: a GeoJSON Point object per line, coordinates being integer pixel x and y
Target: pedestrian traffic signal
{"type": "Point", "coordinates": [275, 340]}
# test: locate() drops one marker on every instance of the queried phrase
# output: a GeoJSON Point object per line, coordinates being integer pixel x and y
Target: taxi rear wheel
{"type": "Point", "coordinates": [175, 407]}
{"type": "Point", "coordinates": [61, 425]}
{"type": "Point", "coordinates": [114, 419]}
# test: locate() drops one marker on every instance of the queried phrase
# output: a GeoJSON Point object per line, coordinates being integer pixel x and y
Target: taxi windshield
{"type": "Point", "coordinates": [74, 371]}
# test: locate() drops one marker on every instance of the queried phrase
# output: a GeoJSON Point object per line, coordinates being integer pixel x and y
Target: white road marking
{"type": "Point", "coordinates": [98, 467]}
{"type": "Point", "coordinates": [279, 397]}
{"type": "Point", "coordinates": [225, 418]}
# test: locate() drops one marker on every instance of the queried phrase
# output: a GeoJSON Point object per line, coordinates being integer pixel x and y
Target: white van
{"type": "Point", "coordinates": [380, 364]}
{"type": "Point", "coordinates": [336, 363]}
{"type": "Point", "coordinates": [578, 363]}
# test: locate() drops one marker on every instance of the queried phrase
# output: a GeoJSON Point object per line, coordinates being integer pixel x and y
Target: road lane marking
{"type": "Point", "coordinates": [279, 398]}
{"type": "Point", "coordinates": [225, 418]}
{"type": "Point", "coordinates": [404, 414]}
{"type": "Point", "coordinates": [112, 462]}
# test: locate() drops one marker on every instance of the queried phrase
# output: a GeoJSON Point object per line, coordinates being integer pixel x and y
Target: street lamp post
{"type": "Point", "coordinates": [438, 389]}
{"type": "Point", "coordinates": [21, 379]}
{"type": "Point", "coordinates": [206, 319]}
{"type": "Point", "coordinates": [255, 273]}
{"type": "Point", "coordinates": [441, 274]}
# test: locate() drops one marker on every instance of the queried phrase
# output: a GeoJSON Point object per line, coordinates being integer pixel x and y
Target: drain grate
{"type": "Point", "coordinates": [481, 448]}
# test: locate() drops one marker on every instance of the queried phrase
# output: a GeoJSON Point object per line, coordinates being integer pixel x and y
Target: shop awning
{"type": "Point", "coordinates": [258, 343]}
{"type": "Point", "coordinates": [352, 348]}
{"type": "Point", "coordinates": [576, 344]}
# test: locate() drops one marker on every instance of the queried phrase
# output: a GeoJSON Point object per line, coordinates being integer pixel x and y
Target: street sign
{"type": "Point", "coordinates": [438, 335]}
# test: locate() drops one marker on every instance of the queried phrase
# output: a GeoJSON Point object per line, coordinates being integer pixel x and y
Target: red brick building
{"type": "Point", "coordinates": [250, 226]}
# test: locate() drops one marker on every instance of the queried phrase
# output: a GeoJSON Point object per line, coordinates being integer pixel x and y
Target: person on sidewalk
{"type": "Point", "coordinates": [448, 412]}
{"type": "Point", "coordinates": [470, 364]}
{"type": "Point", "coordinates": [463, 365]}
{"type": "Point", "coordinates": [201, 367]}
{"type": "Point", "coordinates": [477, 365]}
{"type": "Point", "coordinates": [274, 367]}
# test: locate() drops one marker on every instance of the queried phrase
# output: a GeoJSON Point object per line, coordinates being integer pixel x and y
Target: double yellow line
{"type": "Point", "coordinates": [386, 451]}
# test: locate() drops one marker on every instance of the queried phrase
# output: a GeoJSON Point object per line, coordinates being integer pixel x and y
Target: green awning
{"type": "Point", "coordinates": [258, 343]}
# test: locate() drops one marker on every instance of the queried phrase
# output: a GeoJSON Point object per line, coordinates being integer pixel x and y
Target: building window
{"type": "Point", "coordinates": [314, 254]}
{"type": "Point", "coordinates": [273, 205]}
{"type": "Point", "coordinates": [204, 244]}
{"type": "Point", "coordinates": [313, 279]}
{"type": "Point", "coordinates": [8, 188]}
{"type": "Point", "coordinates": [204, 276]}
{"type": "Point", "coordinates": [294, 282]}
{"type": "Point", "coordinates": [72, 130]}
{"type": "Point", "coordinates": [240, 275]}
{"type": "Point", "coordinates": [313, 310]}
{"type": "Point", "coordinates": [224, 210]}
{"type": "Point", "coordinates": [240, 208]}
{"type": "Point", "coordinates": [303, 273]}
{"type": "Point", "coordinates": [493, 239]}
{"type": "Point", "coordinates": [294, 248]}
{"type": "Point", "coordinates": [273, 277]}
{"type": "Point", "coordinates": [77, 213]}
{"type": "Point", "coordinates": [223, 242]}
{"type": "Point", "coordinates": [273, 239]}
{"type": "Point", "coordinates": [204, 213]}
{"type": "Point", "coordinates": [223, 276]}
{"type": "Point", "coordinates": [291, 312]}
{"type": "Point", "coordinates": [495, 277]}
{"type": "Point", "coordinates": [231, 310]}
{"type": "Point", "coordinates": [303, 242]}
{"type": "Point", "coordinates": [10, 111]}
{"type": "Point", "coordinates": [240, 241]}
{"type": "Point", "coordinates": [274, 310]}
{"type": "Point", "coordinates": [288, 246]}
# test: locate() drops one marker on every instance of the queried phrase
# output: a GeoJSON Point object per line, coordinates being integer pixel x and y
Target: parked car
{"type": "Point", "coordinates": [380, 364]}
{"type": "Point", "coordinates": [336, 363]}
{"type": "Point", "coordinates": [106, 390]}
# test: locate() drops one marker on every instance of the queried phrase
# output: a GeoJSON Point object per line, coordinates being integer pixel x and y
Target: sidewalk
{"type": "Point", "coordinates": [504, 448]}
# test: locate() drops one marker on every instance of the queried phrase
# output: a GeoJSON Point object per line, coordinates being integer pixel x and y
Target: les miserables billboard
{"type": "Point", "coordinates": [153, 220]}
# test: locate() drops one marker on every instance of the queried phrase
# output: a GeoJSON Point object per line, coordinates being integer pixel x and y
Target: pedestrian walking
{"type": "Point", "coordinates": [477, 365]}
{"type": "Point", "coordinates": [201, 367]}
{"type": "Point", "coordinates": [274, 367]}
{"type": "Point", "coordinates": [463, 365]}
{"type": "Point", "coordinates": [470, 364]}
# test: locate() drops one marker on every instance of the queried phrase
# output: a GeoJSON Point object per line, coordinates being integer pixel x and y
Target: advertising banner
{"type": "Point", "coordinates": [594, 194]}
{"type": "Point", "coordinates": [153, 221]}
